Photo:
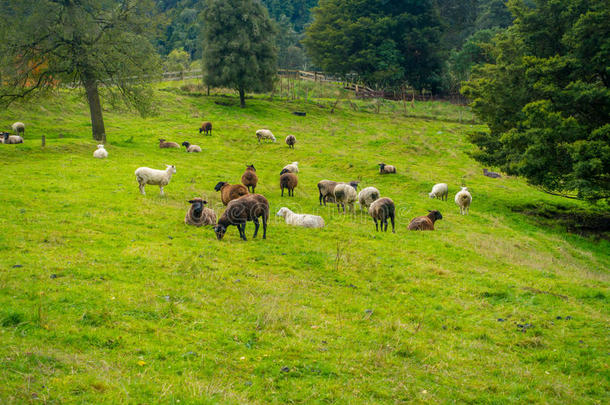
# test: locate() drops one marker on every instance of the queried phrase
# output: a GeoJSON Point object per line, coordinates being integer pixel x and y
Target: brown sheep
{"type": "Point", "coordinates": [290, 141]}
{"type": "Point", "coordinates": [229, 192]}
{"type": "Point", "coordinates": [198, 214]}
{"type": "Point", "coordinates": [242, 210]}
{"type": "Point", "coordinates": [425, 223]}
{"type": "Point", "coordinates": [249, 178]}
{"type": "Point", "coordinates": [327, 189]}
{"type": "Point", "coordinates": [381, 210]}
{"type": "Point", "coordinates": [163, 144]}
{"type": "Point", "coordinates": [385, 169]}
{"type": "Point", "coordinates": [205, 128]}
{"type": "Point", "coordinates": [288, 180]}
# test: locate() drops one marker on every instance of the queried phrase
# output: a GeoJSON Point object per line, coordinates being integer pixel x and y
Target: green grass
{"type": "Point", "coordinates": [106, 296]}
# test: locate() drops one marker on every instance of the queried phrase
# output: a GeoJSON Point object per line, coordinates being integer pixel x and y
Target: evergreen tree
{"type": "Point", "coordinates": [238, 46]}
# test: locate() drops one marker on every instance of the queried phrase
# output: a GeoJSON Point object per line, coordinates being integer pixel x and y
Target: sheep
{"type": "Point", "coordinates": [493, 175]}
{"type": "Point", "coordinates": [264, 134]}
{"type": "Point", "coordinates": [288, 180]}
{"type": "Point", "coordinates": [290, 141]}
{"type": "Point", "coordinates": [386, 169]}
{"type": "Point", "coordinates": [242, 210]}
{"type": "Point", "coordinates": [206, 127]}
{"type": "Point", "coordinates": [440, 190]}
{"type": "Point", "coordinates": [18, 128]}
{"type": "Point", "coordinates": [326, 189]}
{"type": "Point", "coordinates": [161, 178]}
{"type": "Point", "coordinates": [198, 214]}
{"type": "Point", "coordinates": [425, 223]}
{"type": "Point", "coordinates": [11, 139]}
{"type": "Point", "coordinates": [292, 167]}
{"type": "Point", "coordinates": [367, 196]}
{"type": "Point", "coordinates": [304, 220]}
{"type": "Point", "coordinates": [463, 199]}
{"type": "Point", "coordinates": [249, 178]}
{"type": "Point", "coordinates": [163, 144]}
{"type": "Point", "coordinates": [100, 152]}
{"type": "Point", "coordinates": [229, 192]}
{"type": "Point", "coordinates": [382, 209]}
{"type": "Point", "coordinates": [191, 148]}
{"type": "Point", "coordinates": [346, 194]}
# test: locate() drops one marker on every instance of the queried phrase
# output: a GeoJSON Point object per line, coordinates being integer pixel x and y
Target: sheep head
{"type": "Point", "coordinates": [434, 215]}
{"type": "Point", "coordinates": [220, 231]}
{"type": "Point", "coordinates": [220, 185]}
{"type": "Point", "coordinates": [186, 144]}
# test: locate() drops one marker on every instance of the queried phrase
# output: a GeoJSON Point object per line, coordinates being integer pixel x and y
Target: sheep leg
{"type": "Point", "coordinates": [256, 225]}
{"type": "Point", "coordinates": [253, 189]}
{"type": "Point", "coordinates": [264, 226]}
{"type": "Point", "coordinates": [320, 199]}
{"type": "Point", "coordinates": [376, 226]}
{"type": "Point", "coordinates": [161, 187]}
{"type": "Point", "coordinates": [142, 189]}
{"type": "Point", "coordinates": [242, 231]}
{"type": "Point", "coordinates": [392, 219]}
{"type": "Point", "coordinates": [282, 191]}
{"type": "Point", "coordinates": [385, 224]}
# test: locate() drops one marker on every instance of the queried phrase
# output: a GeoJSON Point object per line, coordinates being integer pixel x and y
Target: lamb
{"type": "Point", "coordinates": [264, 134]}
{"type": "Point", "coordinates": [249, 178]}
{"type": "Point", "coordinates": [386, 169]}
{"type": "Point", "coordinates": [425, 223]}
{"type": "Point", "coordinates": [346, 194]}
{"type": "Point", "coordinates": [382, 209]}
{"type": "Point", "coordinates": [206, 128]}
{"type": "Point", "coordinates": [161, 178]}
{"type": "Point", "coordinates": [163, 144]}
{"type": "Point", "coordinates": [18, 128]}
{"type": "Point", "coordinates": [290, 141]}
{"type": "Point", "coordinates": [198, 214]}
{"type": "Point", "coordinates": [304, 220]}
{"type": "Point", "coordinates": [229, 192]}
{"type": "Point", "coordinates": [191, 148]}
{"type": "Point", "coordinates": [367, 196]}
{"type": "Point", "coordinates": [493, 175]}
{"type": "Point", "coordinates": [100, 152]}
{"type": "Point", "coordinates": [242, 210]}
{"type": "Point", "coordinates": [288, 180]}
{"type": "Point", "coordinates": [463, 200]}
{"type": "Point", "coordinates": [440, 190]}
{"type": "Point", "coordinates": [12, 139]}
{"type": "Point", "coordinates": [292, 167]}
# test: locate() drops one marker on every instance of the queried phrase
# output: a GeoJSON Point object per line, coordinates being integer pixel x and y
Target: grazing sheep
{"type": "Point", "coordinates": [100, 152]}
{"type": "Point", "coordinates": [386, 169]}
{"type": "Point", "coordinates": [198, 214]}
{"type": "Point", "coordinates": [367, 196]}
{"type": "Point", "coordinates": [382, 209]}
{"type": "Point", "coordinates": [242, 210]}
{"type": "Point", "coordinates": [440, 190]}
{"type": "Point", "coordinates": [249, 178]}
{"type": "Point", "coordinates": [425, 223]}
{"type": "Point", "coordinates": [229, 192]}
{"type": "Point", "coordinates": [206, 128]}
{"type": "Point", "coordinates": [288, 180]}
{"type": "Point", "coordinates": [292, 167]}
{"type": "Point", "coordinates": [290, 141]}
{"type": "Point", "coordinates": [163, 144]}
{"type": "Point", "coordinates": [161, 178]}
{"type": "Point", "coordinates": [346, 194]}
{"type": "Point", "coordinates": [326, 189]}
{"type": "Point", "coordinates": [191, 148]}
{"type": "Point", "coordinates": [493, 175]}
{"type": "Point", "coordinates": [463, 200]}
{"type": "Point", "coordinates": [304, 220]}
{"type": "Point", "coordinates": [264, 134]}
{"type": "Point", "coordinates": [18, 128]}
{"type": "Point", "coordinates": [11, 139]}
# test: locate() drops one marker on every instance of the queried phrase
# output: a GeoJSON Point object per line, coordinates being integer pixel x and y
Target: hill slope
{"type": "Point", "coordinates": [106, 296]}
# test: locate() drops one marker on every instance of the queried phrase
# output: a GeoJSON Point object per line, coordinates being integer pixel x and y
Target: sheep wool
{"type": "Point", "coordinates": [247, 208]}
{"type": "Point", "coordinates": [381, 210]}
{"type": "Point", "coordinates": [367, 196]}
{"type": "Point", "coordinates": [230, 192]}
{"type": "Point", "coordinates": [292, 167]}
{"type": "Point", "coordinates": [290, 141]}
{"type": "Point", "coordinates": [264, 134]}
{"type": "Point", "coordinates": [440, 191]}
{"type": "Point", "coordinates": [463, 198]}
{"type": "Point", "coordinates": [206, 128]}
{"type": "Point", "coordinates": [100, 152]}
{"type": "Point", "coordinates": [425, 223]}
{"type": "Point", "coordinates": [161, 178]}
{"type": "Point", "coordinates": [345, 194]}
{"type": "Point", "coordinates": [198, 214]}
{"type": "Point", "coordinates": [18, 128]}
{"type": "Point", "coordinates": [304, 220]}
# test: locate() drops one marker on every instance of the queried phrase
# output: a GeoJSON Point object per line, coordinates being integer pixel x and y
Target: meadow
{"type": "Point", "coordinates": [106, 296]}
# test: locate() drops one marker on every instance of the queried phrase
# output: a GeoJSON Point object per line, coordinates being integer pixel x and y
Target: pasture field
{"type": "Point", "coordinates": [107, 297]}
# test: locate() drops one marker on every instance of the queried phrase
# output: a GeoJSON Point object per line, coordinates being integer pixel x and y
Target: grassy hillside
{"type": "Point", "coordinates": [106, 296]}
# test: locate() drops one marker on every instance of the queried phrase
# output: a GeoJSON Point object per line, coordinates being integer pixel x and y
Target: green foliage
{"type": "Point", "coordinates": [181, 27]}
{"type": "Point", "coordinates": [297, 12]}
{"type": "Point", "coordinates": [385, 43]}
{"type": "Point", "coordinates": [546, 97]}
{"type": "Point", "coordinates": [239, 50]}
{"type": "Point", "coordinates": [178, 60]}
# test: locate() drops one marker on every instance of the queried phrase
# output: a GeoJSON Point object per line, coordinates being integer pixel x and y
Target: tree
{"type": "Point", "coordinates": [385, 42]}
{"type": "Point", "coordinates": [89, 42]}
{"type": "Point", "coordinates": [238, 46]}
{"type": "Point", "coordinates": [545, 97]}
{"type": "Point", "coordinates": [178, 60]}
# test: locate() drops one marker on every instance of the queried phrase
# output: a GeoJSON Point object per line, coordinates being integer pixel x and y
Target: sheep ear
{"type": "Point", "coordinates": [191, 201]}
{"type": "Point", "coordinates": [204, 202]}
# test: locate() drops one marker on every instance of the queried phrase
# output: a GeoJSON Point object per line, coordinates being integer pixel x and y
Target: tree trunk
{"type": "Point", "coordinates": [242, 97]}
{"type": "Point", "coordinates": [95, 108]}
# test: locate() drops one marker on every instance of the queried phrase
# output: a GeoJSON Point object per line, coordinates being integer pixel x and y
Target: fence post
{"type": "Point", "coordinates": [44, 141]}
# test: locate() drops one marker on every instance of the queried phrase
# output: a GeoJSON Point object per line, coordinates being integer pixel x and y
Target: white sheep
{"type": "Point", "coordinates": [264, 134]}
{"type": "Point", "coordinates": [304, 220]}
{"type": "Point", "coordinates": [367, 196]}
{"type": "Point", "coordinates": [345, 194]}
{"type": "Point", "coordinates": [11, 139]}
{"type": "Point", "coordinates": [18, 127]}
{"type": "Point", "coordinates": [440, 190]}
{"type": "Point", "coordinates": [463, 200]}
{"type": "Point", "coordinates": [292, 167]}
{"type": "Point", "coordinates": [100, 152]}
{"type": "Point", "coordinates": [161, 178]}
